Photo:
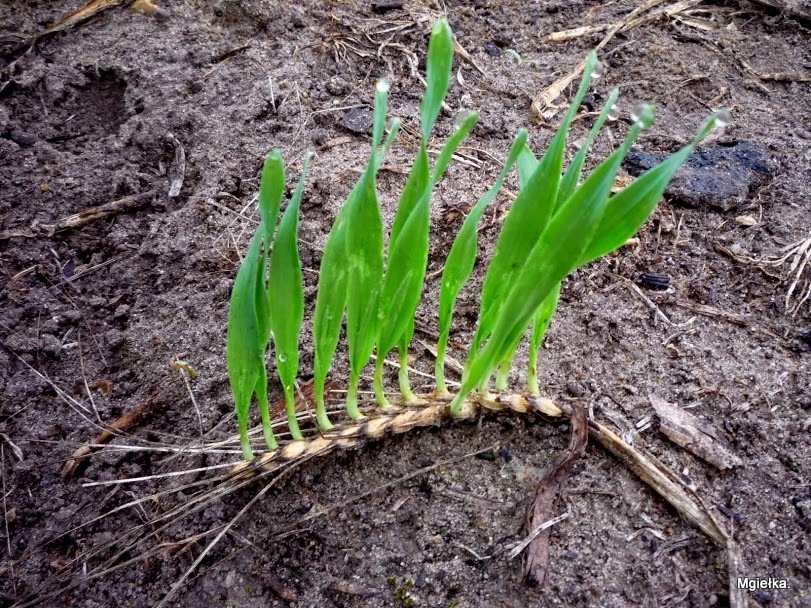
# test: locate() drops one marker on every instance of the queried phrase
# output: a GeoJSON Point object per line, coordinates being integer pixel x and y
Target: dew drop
{"type": "Point", "coordinates": [723, 118]}
{"type": "Point", "coordinates": [461, 117]}
{"type": "Point", "coordinates": [282, 357]}
{"type": "Point", "coordinates": [390, 123]}
{"type": "Point", "coordinates": [598, 72]}
{"type": "Point", "coordinates": [643, 115]}
{"type": "Point", "coordinates": [383, 85]}
{"type": "Point", "coordinates": [614, 113]}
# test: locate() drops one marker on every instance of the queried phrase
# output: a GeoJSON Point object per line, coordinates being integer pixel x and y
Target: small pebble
{"type": "Point", "coordinates": [575, 390]}
{"type": "Point", "coordinates": [654, 281]}
{"type": "Point", "coordinates": [358, 120]}
{"type": "Point", "coordinates": [492, 49]}
{"type": "Point", "coordinates": [23, 138]}
{"type": "Point", "coordinates": [381, 6]}
{"type": "Point", "coordinates": [50, 345]}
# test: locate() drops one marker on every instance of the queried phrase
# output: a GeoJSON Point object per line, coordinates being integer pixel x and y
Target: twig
{"type": "Point", "coordinates": [124, 422]}
{"type": "Point", "coordinates": [83, 14]}
{"type": "Point", "coordinates": [542, 104]}
{"type": "Point", "coordinates": [536, 561]}
{"type": "Point", "coordinates": [90, 214]}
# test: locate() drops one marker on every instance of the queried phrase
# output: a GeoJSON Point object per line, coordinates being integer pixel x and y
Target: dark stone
{"type": "Point", "coordinates": [382, 6]}
{"type": "Point", "coordinates": [492, 49]}
{"type": "Point", "coordinates": [575, 390]}
{"type": "Point", "coordinates": [654, 281]}
{"type": "Point", "coordinates": [22, 138]}
{"type": "Point", "coordinates": [717, 177]}
{"type": "Point", "coordinates": [358, 120]}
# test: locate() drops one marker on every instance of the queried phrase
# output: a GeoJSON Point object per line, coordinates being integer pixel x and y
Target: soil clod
{"type": "Point", "coordinates": [716, 177]}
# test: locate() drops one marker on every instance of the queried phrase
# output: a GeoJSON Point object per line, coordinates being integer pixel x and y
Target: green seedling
{"type": "Point", "coordinates": [555, 225]}
{"type": "Point", "coordinates": [408, 240]}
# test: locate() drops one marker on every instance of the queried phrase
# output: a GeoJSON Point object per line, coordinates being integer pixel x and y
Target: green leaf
{"type": "Point", "coordinates": [418, 181]}
{"type": "Point", "coordinates": [331, 299]}
{"type": "Point", "coordinates": [438, 75]}
{"type": "Point", "coordinates": [527, 163]}
{"type": "Point", "coordinates": [527, 219]}
{"type": "Point", "coordinates": [402, 286]}
{"type": "Point", "coordinates": [555, 254]}
{"type": "Point", "coordinates": [460, 133]}
{"type": "Point", "coordinates": [243, 353]}
{"type": "Point", "coordinates": [408, 259]}
{"type": "Point", "coordinates": [271, 190]}
{"type": "Point", "coordinates": [286, 298]}
{"type": "Point", "coordinates": [572, 176]}
{"type": "Point", "coordinates": [543, 317]}
{"type": "Point", "coordinates": [364, 256]}
{"type": "Point", "coordinates": [329, 311]}
{"type": "Point", "coordinates": [631, 207]}
{"type": "Point", "coordinates": [568, 185]}
{"type": "Point", "coordinates": [408, 242]}
{"type": "Point", "coordinates": [462, 258]}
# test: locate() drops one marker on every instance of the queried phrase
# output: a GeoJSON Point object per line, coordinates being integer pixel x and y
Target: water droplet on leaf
{"type": "Point", "coordinates": [282, 357]}
{"type": "Point", "coordinates": [598, 72]}
{"type": "Point", "coordinates": [643, 115]}
{"type": "Point", "coordinates": [723, 118]}
{"type": "Point", "coordinates": [614, 113]}
{"type": "Point", "coordinates": [383, 85]}
{"type": "Point", "coordinates": [461, 117]}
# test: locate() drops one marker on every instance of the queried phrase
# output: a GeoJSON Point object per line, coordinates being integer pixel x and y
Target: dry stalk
{"type": "Point", "coordinates": [434, 411]}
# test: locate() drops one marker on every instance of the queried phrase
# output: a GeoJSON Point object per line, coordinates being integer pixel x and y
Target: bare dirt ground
{"type": "Point", "coordinates": [90, 317]}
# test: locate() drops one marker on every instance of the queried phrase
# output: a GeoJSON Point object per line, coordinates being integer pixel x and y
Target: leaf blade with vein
{"type": "Point", "coordinates": [462, 258]}
{"type": "Point", "coordinates": [286, 299]}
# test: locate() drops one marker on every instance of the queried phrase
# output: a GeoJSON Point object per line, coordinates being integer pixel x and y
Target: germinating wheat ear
{"type": "Point", "coordinates": [555, 225]}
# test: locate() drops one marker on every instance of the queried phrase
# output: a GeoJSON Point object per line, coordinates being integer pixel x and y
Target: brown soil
{"type": "Point", "coordinates": [85, 119]}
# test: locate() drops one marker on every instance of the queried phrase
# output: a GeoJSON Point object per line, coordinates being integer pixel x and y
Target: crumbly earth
{"type": "Point", "coordinates": [90, 317]}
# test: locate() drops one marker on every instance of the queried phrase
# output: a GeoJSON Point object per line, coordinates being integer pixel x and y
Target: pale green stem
{"type": "Point", "coordinates": [292, 423]}
{"type": "Point", "coordinates": [439, 366]}
{"type": "Point", "coordinates": [264, 408]}
{"type": "Point", "coordinates": [321, 413]}
{"type": "Point", "coordinates": [320, 408]}
{"type": "Point", "coordinates": [247, 452]}
{"type": "Point", "coordinates": [380, 395]}
{"type": "Point", "coordinates": [352, 398]}
{"type": "Point", "coordinates": [532, 373]}
{"type": "Point", "coordinates": [402, 376]}
{"type": "Point", "coordinates": [464, 391]}
{"type": "Point", "coordinates": [503, 376]}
